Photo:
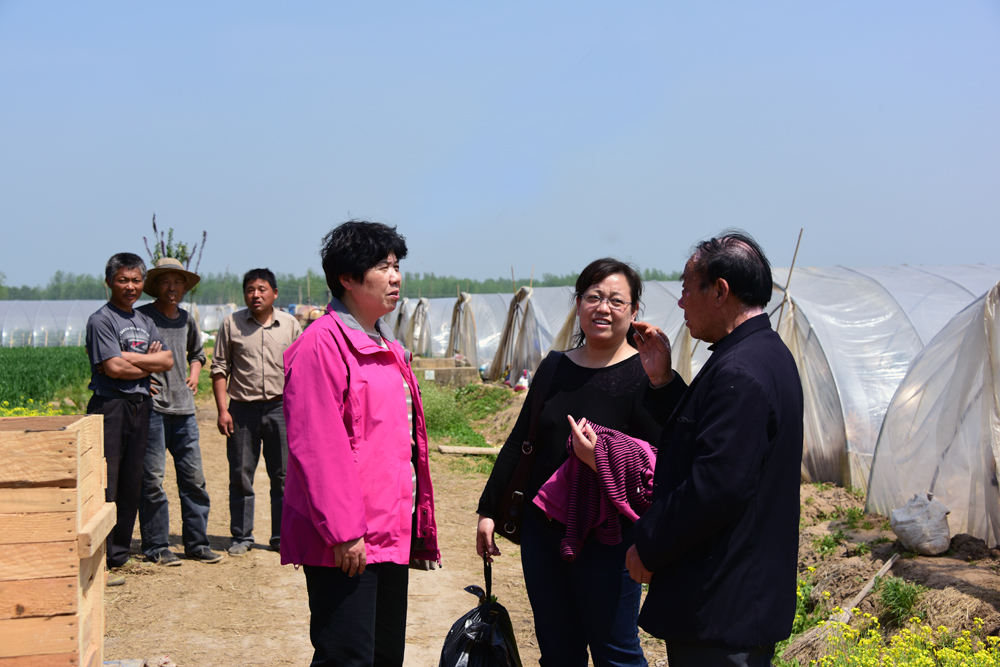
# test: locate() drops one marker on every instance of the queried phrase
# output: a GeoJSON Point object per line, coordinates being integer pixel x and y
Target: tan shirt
{"type": "Point", "coordinates": [251, 355]}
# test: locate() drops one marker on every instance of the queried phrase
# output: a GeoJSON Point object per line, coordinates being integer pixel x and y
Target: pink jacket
{"type": "Point", "coordinates": [349, 452]}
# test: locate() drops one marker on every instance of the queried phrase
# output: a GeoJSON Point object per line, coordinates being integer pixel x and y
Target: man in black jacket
{"type": "Point", "coordinates": [719, 546]}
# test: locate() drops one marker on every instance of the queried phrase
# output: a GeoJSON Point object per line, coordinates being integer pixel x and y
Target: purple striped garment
{"type": "Point", "coordinates": [621, 485]}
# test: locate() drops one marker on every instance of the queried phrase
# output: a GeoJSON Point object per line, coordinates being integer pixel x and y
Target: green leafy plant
{"type": "Point", "coordinates": [827, 544]}
{"type": "Point", "coordinates": [853, 516]}
{"type": "Point", "coordinates": [36, 373]}
{"type": "Point", "coordinates": [897, 599]}
{"type": "Point", "coordinates": [164, 246]}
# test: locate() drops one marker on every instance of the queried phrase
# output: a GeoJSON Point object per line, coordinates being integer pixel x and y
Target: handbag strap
{"type": "Point", "coordinates": [488, 576]}
{"type": "Point", "coordinates": [540, 387]}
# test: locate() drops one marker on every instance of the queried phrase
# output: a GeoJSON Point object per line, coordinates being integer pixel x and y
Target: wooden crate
{"type": "Point", "coordinates": [53, 526]}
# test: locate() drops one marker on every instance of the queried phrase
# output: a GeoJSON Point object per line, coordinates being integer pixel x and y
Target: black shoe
{"type": "Point", "coordinates": [276, 544]}
{"type": "Point", "coordinates": [204, 555]}
{"type": "Point", "coordinates": [164, 557]}
{"type": "Point", "coordinates": [238, 550]}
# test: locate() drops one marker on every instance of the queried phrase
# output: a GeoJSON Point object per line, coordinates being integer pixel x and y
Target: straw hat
{"type": "Point", "coordinates": [166, 265]}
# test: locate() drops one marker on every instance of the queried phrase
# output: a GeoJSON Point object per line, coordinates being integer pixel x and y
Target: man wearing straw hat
{"type": "Point", "coordinates": [172, 424]}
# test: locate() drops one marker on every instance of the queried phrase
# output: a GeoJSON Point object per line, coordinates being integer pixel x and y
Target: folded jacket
{"type": "Point", "coordinates": [584, 500]}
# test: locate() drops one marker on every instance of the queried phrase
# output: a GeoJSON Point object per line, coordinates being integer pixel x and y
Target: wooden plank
{"type": "Point", "coordinates": [38, 597]}
{"type": "Point", "coordinates": [92, 569]}
{"type": "Point", "coordinates": [96, 531]}
{"type": "Point", "coordinates": [46, 458]}
{"type": "Point", "coordinates": [40, 499]}
{"type": "Point", "coordinates": [90, 491]}
{"type": "Point", "coordinates": [93, 656]}
{"type": "Point", "coordinates": [41, 560]}
{"type": "Point", "coordinates": [38, 636]}
{"type": "Point", "coordinates": [478, 451]}
{"type": "Point", "coordinates": [90, 435]}
{"type": "Point", "coordinates": [53, 423]}
{"type": "Point", "coordinates": [51, 660]}
{"type": "Point", "coordinates": [88, 463]}
{"type": "Point", "coordinates": [91, 606]}
{"type": "Point", "coordinates": [37, 527]}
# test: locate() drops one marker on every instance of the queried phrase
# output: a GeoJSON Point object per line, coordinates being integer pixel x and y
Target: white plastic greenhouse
{"type": "Point", "coordinates": [535, 317]}
{"type": "Point", "coordinates": [427, 329]}
{"type": "Point", "coordinates": [941, 433]}
{"type": "Point", "coordinates": [64, 323]}
{"type": "Point", "coordinates": [853, 333]}
{"type": "Point", "coordinates": [45, 323]}
{"type": "Point", "coordinates": [477, 323]}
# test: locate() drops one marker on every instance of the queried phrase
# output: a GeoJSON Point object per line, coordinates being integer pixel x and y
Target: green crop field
{"type": "Point", "coordinates": [38, 373]}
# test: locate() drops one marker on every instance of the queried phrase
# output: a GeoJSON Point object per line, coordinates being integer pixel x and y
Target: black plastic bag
{"type": "Point", "coordinates": [483, 637]}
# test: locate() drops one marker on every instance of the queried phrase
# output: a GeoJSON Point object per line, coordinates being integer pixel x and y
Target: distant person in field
{"type": "Point", "coordinates": [248, 380]}
{"type": "Point", "coordinates": [359, 506]}
{"type": "Point", "coordinates": [719, 545]}
{"type": "Point", "coordinates": [581, 598]}
{"type": "Point", "coordinates": [125, 348]}
{"type": "Point", "coordinates": [172, 424]}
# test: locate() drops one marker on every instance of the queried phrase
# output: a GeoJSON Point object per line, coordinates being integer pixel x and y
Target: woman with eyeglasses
{"type": "Point", "coordinates": [590, 601]}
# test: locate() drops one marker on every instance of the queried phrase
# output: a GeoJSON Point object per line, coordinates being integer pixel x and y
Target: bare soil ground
{"type": "Point", "coordinates": [253, 611]}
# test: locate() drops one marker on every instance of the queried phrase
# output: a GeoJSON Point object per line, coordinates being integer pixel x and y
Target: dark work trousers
{"type": "Point", "coordinates": [255, 424]}
{"type": "Point", "coordinates": [358, 621]}
{"type": "Point", "coordinates": [126, 427]}
{"type": "Point", "coordinates": [684, 654]}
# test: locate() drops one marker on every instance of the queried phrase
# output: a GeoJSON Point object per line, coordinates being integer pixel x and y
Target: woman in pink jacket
{"type": "Point", "coordinates": [359, 508]}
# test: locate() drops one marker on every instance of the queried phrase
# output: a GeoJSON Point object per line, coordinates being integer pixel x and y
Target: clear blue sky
{"type": "Point", "coordinates": [499, 134]}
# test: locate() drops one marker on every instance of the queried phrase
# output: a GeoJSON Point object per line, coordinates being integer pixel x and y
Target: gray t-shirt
{"type": "Point", "coordinates": [111, 331]}
{"type": "Point", "coordinates": [182, 336]}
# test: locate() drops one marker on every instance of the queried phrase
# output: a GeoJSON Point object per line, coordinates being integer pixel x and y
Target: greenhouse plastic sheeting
{"type": "Point", "coordinates": [210, 316]}
{"type": "Point", "coordinates": [45, 323]}
{"type": "Point", "coordinates": [941, 433]}
{"type": "Point", "coordinates": [476, 326]}
{"type": "Point", "coordinates": [402, 316]}
{"type": "Point", "coordinates": [64, 323]}
{"type": "Point", "coordinates": [535, 317]}
{"type": "Point", "coordinates": [427, 332]}
{"type": "Point", "coordinates": [854, 332]}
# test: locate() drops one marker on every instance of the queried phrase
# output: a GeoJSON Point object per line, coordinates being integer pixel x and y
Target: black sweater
{"type": "Point", "coordinates": [611, 397]}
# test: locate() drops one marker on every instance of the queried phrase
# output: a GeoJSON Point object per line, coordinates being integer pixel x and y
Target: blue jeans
{"type": "Point", "coordinates": [591, 601]}
{"type": "Point", "coordinates": [177, 434]}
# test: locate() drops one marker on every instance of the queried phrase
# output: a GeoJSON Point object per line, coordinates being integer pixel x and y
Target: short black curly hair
{"type": "Point", "coordinates": [736, 257]}
{"type": "Point", "coordinates": [356, 246]}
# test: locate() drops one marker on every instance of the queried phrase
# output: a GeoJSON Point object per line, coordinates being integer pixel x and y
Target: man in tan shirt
{"type": "Point", "coordinates": [249, 349]}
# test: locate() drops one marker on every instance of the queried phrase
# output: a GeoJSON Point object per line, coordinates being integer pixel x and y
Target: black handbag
{"type": "Point", "coordinates": [508, 523]}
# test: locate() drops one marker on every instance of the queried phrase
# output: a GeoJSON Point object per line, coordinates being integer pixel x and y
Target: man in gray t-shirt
{"type": "Point", "coordinates": [124, 349]}
{"type": "Point", "coordinates": [173, 426]}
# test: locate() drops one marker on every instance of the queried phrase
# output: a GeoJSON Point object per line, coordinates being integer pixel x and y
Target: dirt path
{"type": "Point", "coordinates": [252, 611]}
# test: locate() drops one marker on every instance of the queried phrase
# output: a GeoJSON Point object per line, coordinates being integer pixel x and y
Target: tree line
{"type": "Point", "coordinates": [309, 288]}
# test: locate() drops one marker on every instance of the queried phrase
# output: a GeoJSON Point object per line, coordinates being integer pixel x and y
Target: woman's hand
{"type": "Point", "coordinates": [636, 569]}
{"type": "Point", "coordinates": [584, 441]}
{"type": "Point", "coordinates": [486, 545]}
{"type": "Point", "coordinates": [654, 352]}
{"type": "Point", "coordinates": [351, 556]}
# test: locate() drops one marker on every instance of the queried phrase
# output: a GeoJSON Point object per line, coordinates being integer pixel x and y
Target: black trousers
{"type": "Point", "coordinates": [126, 427]}
{"type": "Point", "coordinates": [257, 426]}
{"type": "Point", "coordinates": [684, 654]}
{"type": "Point", "coordinates": [358, 621]}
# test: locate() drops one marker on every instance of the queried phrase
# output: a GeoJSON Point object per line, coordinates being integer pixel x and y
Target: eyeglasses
{"type": "Point", "coordinates": [614, 303]}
